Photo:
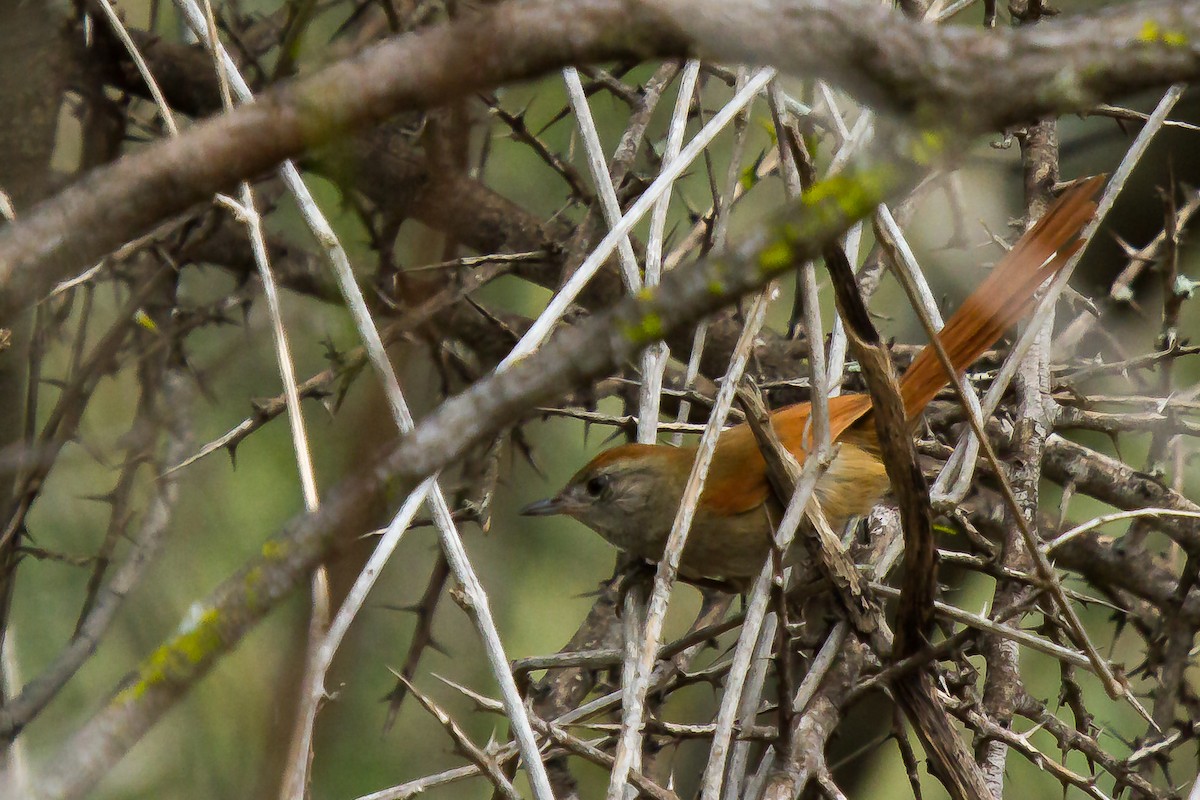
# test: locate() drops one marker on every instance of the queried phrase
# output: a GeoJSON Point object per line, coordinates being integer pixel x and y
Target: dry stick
{"type": "Point", "coordinates": [889, 545]}
{"type": "Point", "coordinates": [299, 760]}
{"type": "Point", "coordinates": [558, 305]}
{"type": "Point", "coordinates": [283, 355]}
{"type": "Point", "coordinates": [598, 166]}
{"type": "Point", "coordinates": [34, 695]}
{"type": "Point", "coordinates": [477, 603]}
{"type": "Point", "coordinates": [1034, 421]}
{"type": "Point", "coordinates": [747, 708]}
{"type": "Point", "coordinates": [915, 693]}
{"type": "Point", "coordinates": [487, 764]}
{"type": "Point", "coordinates": [863, 130]}
{"type": "Point", "coordinates": [1004, 376]}
{"type": "Point", "coordinates": [599, 705]}
{"type": "Point", "coordinates": [752, 627]}
{"type": "Point", "coordinates": [631, 716]}
{"type": "Point", "coordinates": [554, 731]}
{"type": "Point", "coordinates": [1045, 571]}
{"type": "Point", "coordinates": [319, 384]}
{"type": "Point", "coordinates": [741, 699]}
{"type": "Point", "coordinates": [420, 786]}
{"type": "Point", "coordinates": [1120, 291]}
{"type": "Point", "coordinates": [656, 362]}
{"type": "Point", "coordinates": [1104, 519]}
{"type": "Point", "coordinates": [140, 63]}
{"type": "Point", "coordinates": [807, 279]}
{"type": "Point", "coordinates": [635, 597]}
{"type": "Point", "coordinates": [719, 231]}
{"type": "Point", "coordinates": [633, 624]}
{"type": "Point", "coordinates": [295, 778]}
{"type": "Point", "coordinates": [982, 623]}
{"type": "Point", "coordinates": [755, 672]}
{"type": "Point", "coordinates": [654, 356]}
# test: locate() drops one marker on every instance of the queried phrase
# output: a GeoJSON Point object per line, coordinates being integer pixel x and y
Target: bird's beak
{"type": "Point", "coordinates": [544, 508]}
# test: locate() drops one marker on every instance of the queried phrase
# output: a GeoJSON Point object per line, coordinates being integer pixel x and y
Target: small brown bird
{"type": "Point", "coordinates": [630, 494]}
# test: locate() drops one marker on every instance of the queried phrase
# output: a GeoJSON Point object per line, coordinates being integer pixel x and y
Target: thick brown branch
{"type": "Point", "coordinates": [876, 53]}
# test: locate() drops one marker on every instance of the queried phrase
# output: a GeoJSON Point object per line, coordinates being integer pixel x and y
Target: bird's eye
{"type": "Point", "coordinates": [596, 486]}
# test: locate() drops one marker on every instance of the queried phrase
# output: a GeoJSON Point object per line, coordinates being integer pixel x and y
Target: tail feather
{"type": "Point", "coordinates": [1004, 297]}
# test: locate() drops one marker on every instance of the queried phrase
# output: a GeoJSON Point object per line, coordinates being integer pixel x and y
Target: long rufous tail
{"type": "Point", "coordinates": [1004, 297]}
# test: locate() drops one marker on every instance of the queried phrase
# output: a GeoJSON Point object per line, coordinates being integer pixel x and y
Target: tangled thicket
{"type": "Point", "coordinates": [453, 192]}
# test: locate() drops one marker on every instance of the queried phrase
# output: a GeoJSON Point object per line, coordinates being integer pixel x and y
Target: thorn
{"type": "Point", "coordinates": [408, 609]}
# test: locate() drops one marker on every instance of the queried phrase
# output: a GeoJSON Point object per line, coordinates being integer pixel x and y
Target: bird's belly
{"type": "Point", "coordinates": [729, 547]}
{"type": "Point", "coordinates": [855, 481]}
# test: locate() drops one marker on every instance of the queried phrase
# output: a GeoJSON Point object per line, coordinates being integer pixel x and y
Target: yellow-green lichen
{"type": "Point", "coordinates": [855, 194]}
{"type": "Point", "coordinates": [927, 147]}
{"type": "Point", "coordinates": [768, 125]}
{"type": "Point", "coordinates": [647, 329]}
{"type": "Point", "coordinates": [776, 256]}
{"type": "Point", "coordinates": [652, 325]}
{"type": "Point", "coordinates": [645, 294]}
{"type": "Point", "coordinates": [748, 178]}
{"type": "Point", "coordinates": [1153, 33]}
{"type": "Point", "coordinates": [250, 584]}
{"type": "Point", "coordinates": [273, 550]}
{"type": "Point", "coordinates": [178, 658]}
{"type": "Point", "coordinates": [716, 288]}
{"type": "Point", "coordinates": [143, 319]}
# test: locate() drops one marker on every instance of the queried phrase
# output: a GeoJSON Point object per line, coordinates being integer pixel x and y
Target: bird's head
{"type": "Point", "coordinates": [623, 492]}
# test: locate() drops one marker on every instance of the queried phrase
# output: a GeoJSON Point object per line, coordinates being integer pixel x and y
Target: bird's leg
{"type": "Point", "coordinates": [709, 586]}
{"type": "Point", "coordinates": [630, 572]}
